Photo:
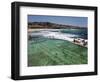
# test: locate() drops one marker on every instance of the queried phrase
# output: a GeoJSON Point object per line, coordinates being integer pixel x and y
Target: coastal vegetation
{"type": "Point", "coordinates": [49, 25]}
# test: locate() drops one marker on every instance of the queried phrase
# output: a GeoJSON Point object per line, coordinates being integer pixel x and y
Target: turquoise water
{"type": "Point", "coordinates": [82, 33]}
{"type": "Point", "coordinates": [55, 52]}
{"type": "Point", "coordinates": [71, 33]}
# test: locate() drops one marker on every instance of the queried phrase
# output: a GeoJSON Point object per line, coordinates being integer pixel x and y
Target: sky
{"type": "Point", "coordinates": [66, 20]}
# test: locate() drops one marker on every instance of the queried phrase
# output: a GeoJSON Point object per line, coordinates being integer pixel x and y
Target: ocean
{"type": "Point", "coordinates": [64, 34]}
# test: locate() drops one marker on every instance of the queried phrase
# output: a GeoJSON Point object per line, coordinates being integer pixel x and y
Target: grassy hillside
{"type": "Point", "coordinates": [55, 52]}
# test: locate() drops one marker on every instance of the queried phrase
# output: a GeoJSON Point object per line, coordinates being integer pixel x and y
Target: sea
{"type": "Point", "coordinates": [58, 33]}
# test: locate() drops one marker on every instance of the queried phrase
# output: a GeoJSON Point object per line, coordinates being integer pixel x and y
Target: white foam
{"type": "Point", "coordinates": [58, 35]}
